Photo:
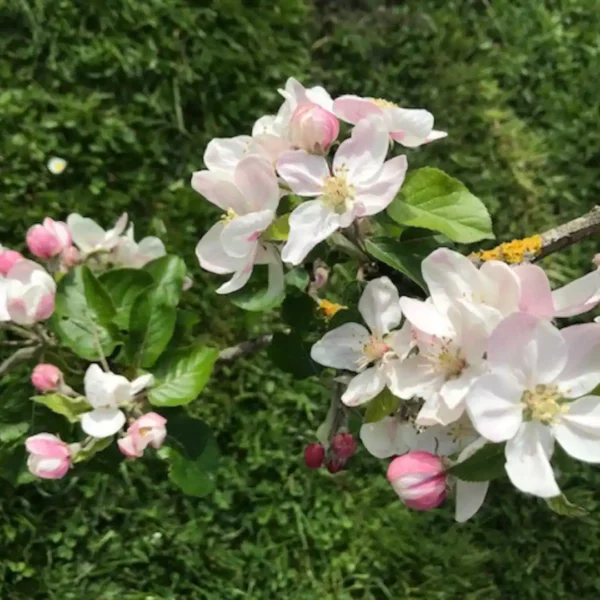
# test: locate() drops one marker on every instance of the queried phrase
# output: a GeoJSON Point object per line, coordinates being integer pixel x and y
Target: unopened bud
{"type": "Point", "coordinates": [419, 479]}
{"type": "Point", "coordinates": [70, 256]}
{"type": "Point", "coordinates": [7, 259]}
{"type": "Point", "coordinates": [312, 128]}
{"type": "Point", "coordinates": [335, 465]}
{"type": "Point", "coordinates": [343, 445]}
{"type": "Point", "coordinates": [46, 377]}
{"type": "Point", "coordinates": [48, 239]}
{"type": "Point", "coordinates": [314, 455]}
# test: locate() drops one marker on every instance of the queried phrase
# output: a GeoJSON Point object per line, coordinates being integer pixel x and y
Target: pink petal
{"type": "Point", "coordinates": [256, 180]}
{"type": "Point", "coordinates": [305, 173]}
{"type": "Point", "coordinates": [577, 297]}
{"type": "Point", "coordinates": [536, 297]}
{"type": "Point", "coordinates": [353, 109]}
{"type": "Point", "coordinates": [218, 189]}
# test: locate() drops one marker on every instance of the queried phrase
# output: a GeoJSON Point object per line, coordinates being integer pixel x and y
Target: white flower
{"type": "Point", "coordinates": [129, 253]}
{"type": "Point", "coordinates": [89, 237]}
{"type": "Point", "coordinates": [106, 392]}
{"type": "Point", "coordinates": [470, 495]}
{"type": "Point", "coordinates": [370, 354]}
{"type": "Point", "coordinates": [249, 198]}
{"type": "Point", "coordinates": [56, 165]}
{"type": "Point", "coordinates": [527, 399]}
{"type": "Point", "coordinates": [363, 183]}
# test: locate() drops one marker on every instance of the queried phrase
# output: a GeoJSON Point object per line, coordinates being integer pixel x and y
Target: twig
{"type": "Point", "coordinates": [228, 355]}
{"type": "Point", "coordinates": [20, 331]}
{"type": "Point", "coordinates": [21, 355]}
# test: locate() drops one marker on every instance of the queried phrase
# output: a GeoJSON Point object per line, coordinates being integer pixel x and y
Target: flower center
{"type": "Point", "coordinates": [543, 404]}
{"type": "Point", "coordinates": [337, 191]}
{"type": "Point", "coordinates": [382, 103]}
{"type": "Point", "coordinates": [373, 351]}
{"type": "Point", "coordinates": [229, 216]}
{"type": "Point", "coordinates": [461, 429]}
{"type": "Point", "coordinates": [451, 364]}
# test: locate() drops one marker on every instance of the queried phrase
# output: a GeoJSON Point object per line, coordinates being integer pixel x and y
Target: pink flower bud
{"type": "Point", "coordinates": [49, 239]}
{"type": "Point", "coordinates": [46, 377]}
{"type": "Point", "coordinates": [419, 479]}
{"type": "Point", "coordinates": [321, 275]}
{"type": "Point", "coordinates": [314, 455]}
{"type": "Point", "coordinates": [312, 128]}
{"type": "Point", "coordinates": [49, 457]}
{"type": "Point", "coordinates": [343, 445]}
{"type": "Point", "coordinates": [335, 465]}
{"type": "Point", "coordinates": [7, 259]}
{"type": "Point", "coordinates": [148, 430]}
{"type": "Point", "coordinates": [70, 256]}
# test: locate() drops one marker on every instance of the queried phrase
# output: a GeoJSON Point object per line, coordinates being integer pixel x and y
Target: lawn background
{"type": "Point", "coordinates": [130, 92]}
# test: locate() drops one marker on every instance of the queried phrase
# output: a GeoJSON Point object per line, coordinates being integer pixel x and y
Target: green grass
{"type": "Point", "coordinates": [129, 92]}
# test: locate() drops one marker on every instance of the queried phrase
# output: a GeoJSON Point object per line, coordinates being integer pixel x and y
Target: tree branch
{"type": "Point", "coordinates": [231, 354]}
{"type": "Point", "coordinates": [17, 358]}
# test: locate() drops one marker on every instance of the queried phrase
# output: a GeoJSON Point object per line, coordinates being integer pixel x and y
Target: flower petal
{"type": "Point", "coordinates": [240, 277]}
{"type": "Point", "coordinates": [364, 387]}
{"type": "Point", "coordinates": [409, 126]}
{"type": "Point", "coordinates": [342, 347]}
{"type": "Point", "coordinates": [528, 460]}
{"type": "Point", "coordinates": [103, 422]}
{"type": "Point", "coordinates": [217, 187]}
{"type": "Point", "coordinates": [470, 496]}
{"type": "Point", "coordinates": [305, 173]}
{"type": "Point", "coordinates": [269, 255]}
{"type": "Point", "coordinates": [380, 438]}
{"type": "Point", "coordinates": [225, 153]}
{"type": "Point", "coordinates": [379, 306]}
{"type": "Point", "coordinates": [240, 236]}
{"type": "Point", "coordinates": [577, 297]}
{"type": "Point", "coordinates": [536, 297]}
{"type": "Point", "coordinates": [425, 317]}
{"type": "Point", "coordinates": [212, 256]}
{"type": "Point", "coordinates": [413, 376]}
{"type": "Point", "coordinates": [141, 383]}
{"type": "Point", "coordinates": [578, 430]}
{"type": "Point", "coordinates": [581, 373]}
{"type": "Point", "coordinates": [86, 234]}
{"type": "Point", "coordinates": [353, 109]}
{"type": "Point", "coordinates": [494, 406]}
{"type": "Point", "coordinates": [256, 179]}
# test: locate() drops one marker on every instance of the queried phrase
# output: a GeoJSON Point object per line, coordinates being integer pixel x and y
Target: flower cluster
{"type": "Point", "coordinates": [286, 155]}
{"type": "Point", "coordinates": [479, 361]}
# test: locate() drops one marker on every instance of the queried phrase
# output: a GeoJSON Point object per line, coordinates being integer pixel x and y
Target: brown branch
{"type": "Point", "coordinates": [229, 355]}
{"type": "Point", "coordinates": [22, 355]}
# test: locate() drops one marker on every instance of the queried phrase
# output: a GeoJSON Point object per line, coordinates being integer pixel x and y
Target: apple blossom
{"type": "Point", "coordinates": [129, 253]}
{"type": "Point", "coordinates": [106, 393]}
{"type": "Point", "coordinates": [7, 259]}
{"type": "Point", "coordinates": [90, 238]}
{"type": "Point", "coordinates": [49, 457]}
{"type": "Point", "coordinates": [48, 239]}
{"type": "Point", "coordinates": [233, 245]}
{"type": "Point", "coordinates": [56, 165]}
{"type": "Point", "coordinates": [536, 391]}
{"type": "Point", "coordinates": [411, 127]}
{"type": "Point", "coordinates": [46, 377]}
{"type": "Point", "coordinates": [419, 479]}
{"type": "Point", "coordinates": [372, 354]}
{"type": "Point", "coordinates": [362, 183]}
{"type": "Point", "coordinates": [148, 430]}
{"type": "Point", "coordinates": [27, 294]}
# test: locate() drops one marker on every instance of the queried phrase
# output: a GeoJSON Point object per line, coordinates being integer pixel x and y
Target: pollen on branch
{"type": "Point", "coordinates": [514, 252]}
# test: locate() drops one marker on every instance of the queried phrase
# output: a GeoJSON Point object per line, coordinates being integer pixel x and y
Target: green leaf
{"type": "Point", "coordinates": [92, 448]}
{"type": "Point", "coordinates": [124, 286]}
{"type": "Point", "coordinates": [561, 505]}
{"type": "Point", "coordinates": [83, 315]}
{"type": "Point", "coordinates": [384, 404]}
{"type": "Point", "coordinates": [168, 273]}
{"type": "Point", "coordinates": [12, 463]}
{"type": "Point", "coordinates": [340, 242]}
{"type": "Point", "coordinates": [71, 408]}
{"type": "Point", "coordinates": [255, 296]}
{"type": "Point", "coordinates": [297, 277]}
{"type": "Point", "coordinates": [12, 432]}
{"type": "Point", "coordinates": [194, 478]}
{"type": "Point", "coordinates": [279, 230]}
{"type": "Point", "coordinates": [182, 377]}
{"type": "Point", "coordinates": [485, 464]}
{"type": "Point", "coordinates": [298, 311]}
{"type": "Point", "coordinates": [151, 326]}
{"type": "Point", "coordinates": [432, 199]}
{"type": "Point", "coordinates": [290, 354]}
{"type": "Point", "coordinates": [405, 257]}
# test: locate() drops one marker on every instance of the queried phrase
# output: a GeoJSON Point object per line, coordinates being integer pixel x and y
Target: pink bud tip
{"type": "Point", "coordinates": [312, 128]}
{"type": "Point", "coordinates": [7, 259]}
{"type": "Point", "coordinates": [49, 457]}
{"type": "Point", "coordinates": [344, 445]}
{"type": "Point", "coordinates": [49, 239]}
{"type": "Point", "coordinates": [46, 377]}
{"type": "Point", "coordinates": [314, 455]}
{"type": "Point", "coordinates": [419, 479]}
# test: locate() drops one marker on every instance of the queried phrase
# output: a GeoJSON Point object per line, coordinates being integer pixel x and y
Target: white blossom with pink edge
{"type": "Point", "coordinates": [371, 352]}
{"type": "Point", "coordinates": [536, 392]}
{"type": "Point", "coordinates": [49, 457]}
{"type": "Point", "coordinates": [129, 253]}
{"type": "Point", "coordinates": [90, 238]}
{"type": "Point", "coordinates": [148, 430]}
{"type": "Point", "coordinates": [411, 127]}
{"type": "Point", "coordinates": [48, 239]}
{"type": "Point", "coordinates": [575, 298]}
{"type": "Point", "coordinates": [362, 183]}
{"type": "Point", "coordinates": [106, 392]}
{"type": "Point", "coordinates": [233, 245]}
{"type": "Point", "coordinates": [26, 294]}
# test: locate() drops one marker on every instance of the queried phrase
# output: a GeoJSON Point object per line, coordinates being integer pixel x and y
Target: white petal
{"type": "Point", "coordinates": [85, 233]}
{"type": "Point", "coordinates": [494, 406]}
{"type": "Point", "coordinates": [342, 347]}
{"type": "Point", "coordinates": [379, 438]}
{"type": "Point", "coordinates": [364, 387]}
{"type": "Point", "coordinates": [310, 223]}
{"type": "Point", "coordinates": [581, 373]}
{"type": "Point", "coordinates": [413, 377]}
{"type": "Point", "coordinates": [103, 422]}
{"type": "Point", "coordinates": [409, 126]}
{"type": "Point", "coordinates": [454, 391]}
{"type": "Point", "coordinates": [362, 155]}
{"type": "Point", "coordinates": [379, 306]}
{"type": "Point", "coordinates": [269, 255]}
{"type": "Point", "coordinates": [501, 286]}
{"type": "Point", "coordinates": [577, 297]}
{"type": "Point", "coordinates": [470, 496]}
{"type": "Point", "coordinates": [141, 383]}
{"type": "Point", "coordinates": [226, 153]}
{"type": "Point", "coordinates": [352, 108]}
{"type": "Point", "coordinates": [578, 430]}
{"type": "Point", "coordinates": [94, 385]}
{"type": "Point", "coordinates": [219, 189]}
{"type": "Point", "coordinates": [240, 236]}
{"type": "Point", "coordinates": [528, 461]}
{"type": "Point", "coordinates": [257, 181]}
{"type": "Point", "coordinates": [401, 341]}
{"type": "Point", "coordinates": [305, 173]}
{"type": "Point", "coordinates": [240, 277]}
{"type": "Point", "coordinates": [536, 297]}
{"type": "Point", "coordinates": [211, 254]}
{"type": "Point", "coordinates": [425, 317]}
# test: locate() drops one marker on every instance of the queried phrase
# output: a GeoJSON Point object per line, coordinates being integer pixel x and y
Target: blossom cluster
{"type": "Point", "coordinates": [286, 155]}
{"type": "Point", "coordinates": [480, 361]}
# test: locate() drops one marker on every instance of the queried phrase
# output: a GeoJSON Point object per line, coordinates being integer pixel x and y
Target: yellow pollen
{"type": "Point", "coordinates": [451, 364]}
{"type": "Point", "coordinates": [330, 308]}
{"type": "Point", "coordinates": [145, 431]}
{"type": "Point", "coordinates": [513, 252]}
{"type": "Point", "coordinates": [543, 404]}
{"type": "Point", "coordinates": [229, 215]}
{"type": "Point", "coordinates": [382, 103]}
{"type": "Point", "coordinates": [337, 191]}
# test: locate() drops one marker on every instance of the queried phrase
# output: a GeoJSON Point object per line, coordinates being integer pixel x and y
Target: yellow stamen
{"type": "Point", "coordinates": [337, 191]}
{"type": "Point", "coordinates": [542, 404]}
{"type": "Point", "coordinates": [383, 103]}
{"type": "Point", "coordinates": [513, 252]}
{"type": "Point", "coordinates": [330, 308]}
{"type": "Point", "coordinates": [452, 365]}
{"type": "Point", "coordinates": [229, 215]}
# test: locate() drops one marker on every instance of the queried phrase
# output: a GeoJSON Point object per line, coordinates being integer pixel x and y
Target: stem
{"type": "Point", "coordinates": [20, 331]}
{"type": "Point", "coordinates": [21, 355]}
{"type": "Point", "coordinates": [101, 356]}
{"type": "Point", "coordinates": [231, 354]}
